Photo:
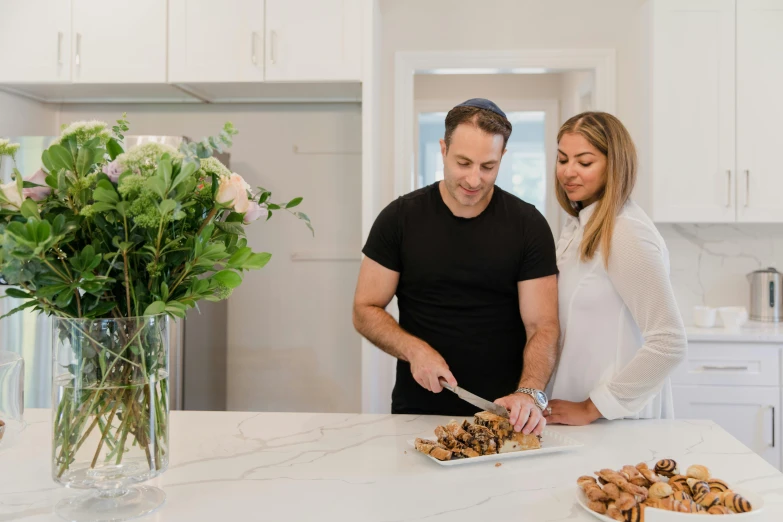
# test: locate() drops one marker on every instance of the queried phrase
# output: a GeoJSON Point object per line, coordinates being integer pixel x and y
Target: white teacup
{"type": "Point", "coordinates": [704, 316]}
{"type": "Point", "coordinates": [733, 317]}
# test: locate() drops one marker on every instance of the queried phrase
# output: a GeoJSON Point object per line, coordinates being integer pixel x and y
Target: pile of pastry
{"type": "Point", "coordinates": [489, 434]}
{"type": "Point", "coordinates": [624, 494]}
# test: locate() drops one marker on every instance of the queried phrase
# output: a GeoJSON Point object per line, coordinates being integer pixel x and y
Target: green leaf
{"type": "Point", "coordinates": [230, 228]}
{"type": "Point", "coordinates": [157, 185]}
{"type": "Point", "coordinates": [273, 206]}
{"type": "Point", "coordinates": [114, 148]}
{"type": "Point", "coordinates": [302, 215]}
{"type": "Point", "coordinates": [64, 299]}
{"type": "Point", "coordinates": [239, 257]}
{"type": "Point", "coordinates": [155, 308]}
{"type": "Point", "coordinates": [122, 208]}
{"type": "Point", "coordinates": [16, 293]}
{"type": "Point", "coordinates": [84, 161]}
{"type": "Point", "coordinates": [30, 209]}
{"type": "Point", "coordinates": [28, 304]}
{"type": "Point", "coordinates": [60, 158]}
{"type": "Point", "coordinates": [164, 169]}
{"type": "Point", "coordinates": [166, 206]}
{"type": "Point", "coordinates": [19, 180]}
{"type": "Point", "coordinates": [294, 202]}
{"type": "Point", "coordinates": [50, 290]}
{"type": "Point", "coordinates": [43, 231]}
{"type": "Point", "coordinates": [164, 291]}
{"type": "Point", "coordinates": [46, 160]}
{"type": "Point", "coordinates": [103, 207]}
{"type": "Point", "coordinates": [51, 180]}
{"type": "Point", "coordinates": [229, 278]}
{"type": "Point", "coordinates": [257, 261]}
{"type": "Point", "coordinates": [264, 196]}
{"type": "Point", "coordinates": [104, 193]}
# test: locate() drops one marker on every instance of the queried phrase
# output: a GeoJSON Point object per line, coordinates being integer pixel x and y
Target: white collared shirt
{"type": "Point", "coordinates": [621, 330]}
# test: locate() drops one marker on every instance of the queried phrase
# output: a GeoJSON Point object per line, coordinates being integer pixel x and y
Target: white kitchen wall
{"type": "Point", "coordinates": [23, 117]}
{"type": "Point", "coordinates": [709, 262]}
{"type": "Point", "coordinates": [443, 87]}
{"type": "Point", "coordinates": [292, 346]}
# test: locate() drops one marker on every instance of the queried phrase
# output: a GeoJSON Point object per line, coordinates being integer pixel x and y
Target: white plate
{"type": "Point", "coordinates": [552, 442]}
{"type": "Point", "coordinates": [656, 515]}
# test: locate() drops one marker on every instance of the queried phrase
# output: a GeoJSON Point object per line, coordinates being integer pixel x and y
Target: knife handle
{"type": "Point", "coordinates": [446, 384]}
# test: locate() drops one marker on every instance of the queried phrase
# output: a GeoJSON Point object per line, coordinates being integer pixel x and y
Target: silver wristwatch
{"type": "Point", "coordinates": [539, 397]}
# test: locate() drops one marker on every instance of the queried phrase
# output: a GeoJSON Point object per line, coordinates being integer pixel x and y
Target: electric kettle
{"type": "Point", "coordinates": [766, 293]}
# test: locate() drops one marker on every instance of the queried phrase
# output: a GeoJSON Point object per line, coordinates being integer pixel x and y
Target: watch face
{"type": "Point", "coordinates": [541, 397]}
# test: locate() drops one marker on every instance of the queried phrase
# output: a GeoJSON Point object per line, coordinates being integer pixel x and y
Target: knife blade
{"type": "Point", "coordinates": [475, 400]}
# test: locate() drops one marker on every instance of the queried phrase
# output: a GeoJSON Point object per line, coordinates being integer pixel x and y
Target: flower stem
{"type": "Point", "coordinates": [207, 220]}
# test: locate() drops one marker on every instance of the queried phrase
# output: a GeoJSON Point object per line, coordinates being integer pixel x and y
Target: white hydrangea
{"type": "Point", "coordinates": [143, 159]}
{"type": "Point", "coordinates": [85, 131]}
{"type": "Point", "coordinates": [212, 165]}
{"type": "Point", "coordinates": [7, 148]}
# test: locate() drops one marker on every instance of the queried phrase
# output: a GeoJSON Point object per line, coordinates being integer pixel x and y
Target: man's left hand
{"type": "Point", "coordinates": [572, 413]}
{"type": "Point", "coordinates": [524, 415]}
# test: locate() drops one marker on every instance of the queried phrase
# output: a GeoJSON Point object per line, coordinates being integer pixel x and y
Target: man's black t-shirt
{"type": "Point", "coordinates": [458, 289]}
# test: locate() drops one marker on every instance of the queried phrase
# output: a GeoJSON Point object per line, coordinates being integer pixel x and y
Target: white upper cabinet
{"type": "Point", "coordinates": [212, 42]}
{"type": "Point", "coordinates": [122, 41]}
{"type": "Point", "coordinates": [759, 110]}
{"type": "Point", "coordinates": [693, 160]}
{"type": "Point", "coordinates": [35, 41]}
{"type": "Point", "coordinates": [717, 67]}
{"type": "Point", "coordinates": [310, 40]}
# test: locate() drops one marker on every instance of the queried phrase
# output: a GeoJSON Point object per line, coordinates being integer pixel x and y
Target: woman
{"type": "Point", "coordinates": [621, 331]}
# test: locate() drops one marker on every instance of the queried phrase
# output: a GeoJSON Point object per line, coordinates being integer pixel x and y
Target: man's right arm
{"type": "Point", "coordinates": [374, 291]}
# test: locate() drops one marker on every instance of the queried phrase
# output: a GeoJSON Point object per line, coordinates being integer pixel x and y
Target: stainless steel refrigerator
{"type": "Point", "coordinates": [198, 343]}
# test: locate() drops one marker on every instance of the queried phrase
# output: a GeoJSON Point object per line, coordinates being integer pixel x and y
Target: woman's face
{"type": "Point", "coordinates": [581, 169]}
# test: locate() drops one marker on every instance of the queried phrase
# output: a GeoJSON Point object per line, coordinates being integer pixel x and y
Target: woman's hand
{"type": "Point", "coordinates": [571, 413]}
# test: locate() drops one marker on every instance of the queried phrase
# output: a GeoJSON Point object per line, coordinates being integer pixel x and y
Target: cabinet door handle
{"type": "Point", "coordinates": [725, 368]}
{"type": "Point", "coordinates": [273, 47]}
{"type": "Point", "coordinates": [773, 426]}
{"type": "Point", "coordinates": [78, 50]}
{"type": "Point", "coordinates": [747, 188]}
{"type": "Point", "coordinates": [728, 188]}
{"type": "Point", "coordinates": [59, 48]}
{"type": "Point", "coordinates": [253, 54]}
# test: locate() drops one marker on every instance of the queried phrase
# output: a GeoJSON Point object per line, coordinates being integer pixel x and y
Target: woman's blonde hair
{"type": "Point", "coordinates": [607, 134]}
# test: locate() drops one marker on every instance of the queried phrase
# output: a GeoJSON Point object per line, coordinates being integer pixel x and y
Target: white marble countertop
{"type": "Point", "coordinates": [325, 467]}
{"type": "Point", "coordinates": [752, 332]}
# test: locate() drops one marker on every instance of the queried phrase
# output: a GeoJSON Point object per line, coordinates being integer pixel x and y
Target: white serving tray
{"type": "Point", "coordinates": [552, 442]}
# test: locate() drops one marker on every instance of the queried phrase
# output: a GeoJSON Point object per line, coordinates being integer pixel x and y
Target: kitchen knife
{"type": "Point", "coordinates": [475, 400]}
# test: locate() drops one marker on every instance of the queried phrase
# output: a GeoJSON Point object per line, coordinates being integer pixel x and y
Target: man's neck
{"type": "Point", "coordinates": [460, 210]}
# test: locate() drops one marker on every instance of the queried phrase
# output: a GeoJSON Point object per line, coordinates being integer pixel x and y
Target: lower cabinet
{"type": "Point", "coordinates": [752, 414]}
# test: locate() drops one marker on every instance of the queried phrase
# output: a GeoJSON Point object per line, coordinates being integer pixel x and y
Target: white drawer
{"type": "Point", "coordinates": [722, 364]}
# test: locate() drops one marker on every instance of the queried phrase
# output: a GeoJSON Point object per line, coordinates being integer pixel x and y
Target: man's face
{"type": "Point", "coordinates": [471, 163]}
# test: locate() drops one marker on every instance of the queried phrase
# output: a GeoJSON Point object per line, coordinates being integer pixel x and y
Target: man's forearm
{"type": "Point", "coordinates": [380, 328]}
{"type": "Point", "coordinates": [540, 357]}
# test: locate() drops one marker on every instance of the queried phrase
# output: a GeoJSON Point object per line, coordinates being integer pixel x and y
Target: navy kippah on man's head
{"type": "Point", "coordinates": [482, 103]}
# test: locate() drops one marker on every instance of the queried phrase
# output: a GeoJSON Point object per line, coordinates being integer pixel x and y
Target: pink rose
{"type": "Point", "coordinates": [255, 211]}
{"type": "Point", "coordinates": [11, 193]}
{"type": "Point", "coordinates": [233, 190]}
{"type": "Point", "coordinates": [37, 193]}
{"type": "Point", "coordinates": [113, 170]}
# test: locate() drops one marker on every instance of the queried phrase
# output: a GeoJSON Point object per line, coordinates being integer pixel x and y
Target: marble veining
{"type": "Point", "coordinates": [709, 263]}
{"type": "Point", "coordinates": [322, 467]}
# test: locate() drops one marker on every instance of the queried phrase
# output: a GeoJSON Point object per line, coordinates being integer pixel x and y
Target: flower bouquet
{"type": "Point", "coordinates": [113, 243]}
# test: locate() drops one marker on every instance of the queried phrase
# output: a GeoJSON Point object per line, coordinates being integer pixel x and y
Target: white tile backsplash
{"type": "Point", "coordinates": [709, 263]}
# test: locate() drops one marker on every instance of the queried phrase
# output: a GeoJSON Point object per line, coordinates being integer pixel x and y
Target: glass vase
{"type": "Point", "coordinates": [11, 398]}
{"type": "Point", "coordinates": [110, 409]}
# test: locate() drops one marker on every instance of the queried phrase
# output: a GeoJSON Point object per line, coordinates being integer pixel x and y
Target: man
{"type": "Point", "coordinates": [474, 271]}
